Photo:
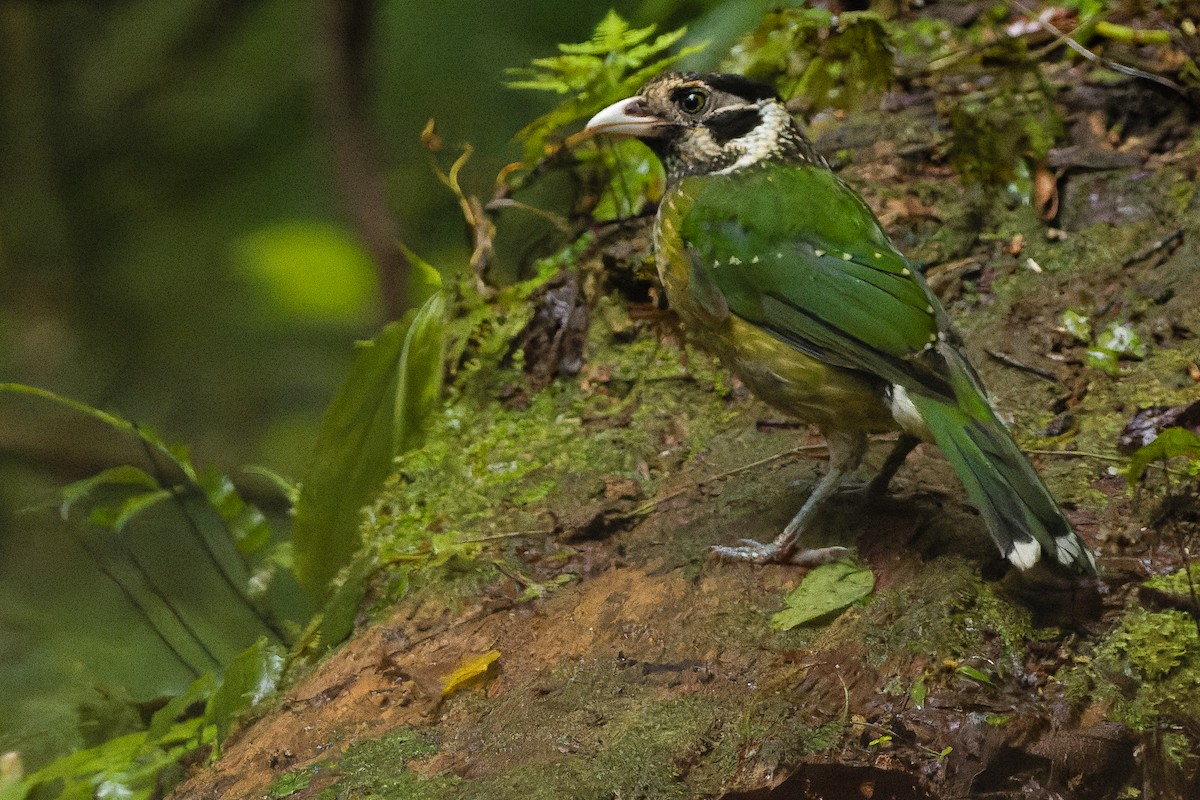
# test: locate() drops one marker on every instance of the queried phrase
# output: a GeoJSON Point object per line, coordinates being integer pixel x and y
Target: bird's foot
{"type": "Point", "coordinates": [773, 552]}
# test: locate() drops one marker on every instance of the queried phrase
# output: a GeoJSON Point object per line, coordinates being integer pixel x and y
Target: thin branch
{"type": "Point", "coordinates": [342, 106]}
{"type": "Point", "coordinates": [1071, 42]}
{"type": "Point", "coordinates": [804, 448]}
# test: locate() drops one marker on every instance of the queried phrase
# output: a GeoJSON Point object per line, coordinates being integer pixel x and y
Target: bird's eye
{"type": "Point", "coordinates": [693, 101]}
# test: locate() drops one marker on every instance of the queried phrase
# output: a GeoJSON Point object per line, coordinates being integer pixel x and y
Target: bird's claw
{"type": "Point", "coordinates": [759, 553]}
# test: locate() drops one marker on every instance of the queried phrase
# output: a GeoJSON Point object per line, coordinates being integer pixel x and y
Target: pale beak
{"type": "Point", "coordinates": [626, 117]}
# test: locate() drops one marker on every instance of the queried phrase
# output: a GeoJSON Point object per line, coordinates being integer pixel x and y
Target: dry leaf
{"type": "Point", "coordinates": [469, 673]}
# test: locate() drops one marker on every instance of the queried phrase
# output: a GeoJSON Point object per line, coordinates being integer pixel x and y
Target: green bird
{"type": "Point", "coordinates": [781, 270]}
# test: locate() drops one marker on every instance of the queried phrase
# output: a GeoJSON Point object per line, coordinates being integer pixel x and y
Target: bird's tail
{"type": "Point", "coordinates": [1020, 513]}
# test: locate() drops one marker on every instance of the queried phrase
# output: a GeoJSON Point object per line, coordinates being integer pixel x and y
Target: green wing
{"type": "Point", "coordinates": [795, 251]}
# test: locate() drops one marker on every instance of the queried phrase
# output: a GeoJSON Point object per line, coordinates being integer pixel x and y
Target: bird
{"type": "Point", "coordinates": [780, 269]}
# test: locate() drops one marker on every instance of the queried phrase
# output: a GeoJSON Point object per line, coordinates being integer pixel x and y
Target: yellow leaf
{"type": "Point", "coordinates": [469, 673]}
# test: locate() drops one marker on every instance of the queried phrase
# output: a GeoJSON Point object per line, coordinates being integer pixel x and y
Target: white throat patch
{"type": "Point", "coordinates": [764, 140]}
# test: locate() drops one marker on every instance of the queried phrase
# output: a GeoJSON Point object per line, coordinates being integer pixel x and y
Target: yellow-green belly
{"type": "Point", "coordinates": [830, 397]}
{"type": "Point", "coordinates": [833, 398]}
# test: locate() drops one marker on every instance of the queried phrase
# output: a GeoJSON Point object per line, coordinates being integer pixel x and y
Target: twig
{"type": "Point", "coordinates": [1069, 41]}
{"type": "Point", "coordinates": [1154, 247]}
{"type": "Point", "coordinates": [1077, 454]}
{"type": "Point", "coordinates": [506, 535]}
{"type": "Point", "coordinates": [1006, 359]}
{"type": "Point", "coordinates": [1100, 457]}
{"type": "Point", "coordinates": [557, 220]}
{"type": "Point", "coordinates": [804, 448]}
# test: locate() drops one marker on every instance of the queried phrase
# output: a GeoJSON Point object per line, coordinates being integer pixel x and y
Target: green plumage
{"type": "Point", "coordinates": [778, 267]}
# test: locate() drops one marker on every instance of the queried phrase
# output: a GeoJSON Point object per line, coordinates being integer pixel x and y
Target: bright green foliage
{"type": "Point", "coordinates": [1170, 443]}
{"type": "Point", "coordinates": [613, 64]}
{"type": "Point", "coordinates": [828, 588]}
{"type": "Point", "coordinates": [380, 412]}
{"type": "Point", "coordinates": [335, 621]}
{"type": "Point", "coordinates": [924, 39]}
{"type": "Point", "coordinates": [227, 528]}
{"type": "Point", "coordinates": [1115, 342]}
{"type": "Point", "coordinates": [289, 783]}
{"type": "Point", "coordinates": [1076, 324]}
{"type": "Point", "coordinates": [132, 766]}
{"type": "Point", "coordinates": [378, 768]}
{"type": "Point", "coordinates": [636, 177]}
{"type": "Point", "coordinates": [249, 679]}
{"type": "Point", "coordinates": [831, 62]}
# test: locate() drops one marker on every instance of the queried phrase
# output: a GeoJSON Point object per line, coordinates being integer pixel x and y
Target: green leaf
{"type": "Point", "coordinates": [289, 783]}
{"type": "Point", "coordinates": [974, 674]}
{"type": "Point", "coordinates": [117, 517]}
{"type": "Point", "coordinates": [424, 280]}
{"type": "Point", "coordinates": [124, 476]}
{"type": "Point", "coordinates": [245, 523]}
{"type": "Point", "coordinates": [918, 692]}
{"type": "Point", "coordinates": [1170, 443]}
{"type": "Point", "coordinates": [1077, 325]}
{"type": "Point", "coordinates": [1115, 342]}
{"type": "Point", "coordinates": [1104, 360]}
{"type": "Point", "coordinates": [249, 679]}
{"type": "Point", "coordinates": [419, 387]}
{"type": "Point", "coordinates": [825, 589]}
{"type": "Point", "coordinates": [336, 620]}
{"type": "Point", "coordinates": [1122, 340]}
{"type": "Point", "coordinates": [287, 488]}
{"type": "Point", "coordinates": [380, 411]}
{"type": "Point", "coordinates": [166, 717]}
{"type": "Point", "coordinates": [612, 64]}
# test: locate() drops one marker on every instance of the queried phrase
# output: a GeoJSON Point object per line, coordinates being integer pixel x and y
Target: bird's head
{"type": "Point", "coordinates": [699, 124]}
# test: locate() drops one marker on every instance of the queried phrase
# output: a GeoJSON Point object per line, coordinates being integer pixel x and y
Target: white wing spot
{"type": "Point", "coordinates": [735, 260]}
{"type": "Point", "coordinates": [906, 272]}
{"type": "Point", "coordinates": [1024, 554]}
{"type": "Point", "coordinates": [716, 263]}
{"type": "Point", "coordinates": [847, 257]}
{"type": "Point", "coordinates": [928, 309]}
{"type": "Point", "coordinates": [754, 260]}
{"type": "Point", "coordinates": [779, 254]}
{"type": "Point", "coordinates": [878, 254]}
{"type": "Point", "coordinates": [817, 253]}
{"type": "Point", "coordinates": [906, 414]}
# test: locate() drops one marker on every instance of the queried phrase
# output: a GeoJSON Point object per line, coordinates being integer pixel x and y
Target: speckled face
{"type": "Point", "coordinates": [707, 123]}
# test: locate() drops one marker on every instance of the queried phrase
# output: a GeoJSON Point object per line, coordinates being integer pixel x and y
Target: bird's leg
{"type": "Point", "coordinates": [845, 452]}
{"type": "Point", "coordinates": [895, 459]}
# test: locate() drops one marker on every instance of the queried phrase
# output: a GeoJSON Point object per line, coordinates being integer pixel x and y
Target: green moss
{"type": "Point", "coordinates": [379, 768]}
{"type": "Point", "coordinates": [948, 613]}
{"type": "Point", "coordinates": [635, 749]}
{"type": "Point", "coordinates": [1148, 668]}
{"type": "Point", "coordinates": [490, 467]}
{"type": "Point", "coordinates": [1177, 582]}
{"type": "Point", "coordinates": [289, 783]}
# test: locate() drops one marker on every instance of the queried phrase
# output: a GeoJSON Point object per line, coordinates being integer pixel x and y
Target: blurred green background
{"type": "Point", "coordinates": [198, 207]}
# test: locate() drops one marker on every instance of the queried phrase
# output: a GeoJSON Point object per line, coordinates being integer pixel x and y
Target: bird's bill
{"type": "Point", "coordinates": [625, 118]}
